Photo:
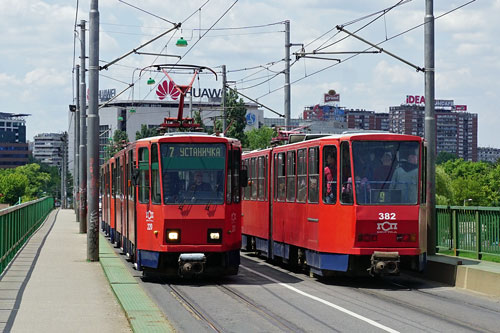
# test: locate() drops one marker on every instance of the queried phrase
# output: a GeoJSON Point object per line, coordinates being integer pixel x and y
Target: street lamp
{"type": "Point", "coordinates": [465, 200]}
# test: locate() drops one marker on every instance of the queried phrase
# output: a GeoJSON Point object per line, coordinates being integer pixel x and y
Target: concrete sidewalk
{"type": "Point", "coordinates": [51, 287]}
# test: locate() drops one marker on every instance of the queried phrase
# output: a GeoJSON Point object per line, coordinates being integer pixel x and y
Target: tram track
{"type": "Point", "coordinates": [271, 317]}
{"type": "Point", "coordinates": [193, 308]}
{"type": "Point", "coordinates": [456, 321]}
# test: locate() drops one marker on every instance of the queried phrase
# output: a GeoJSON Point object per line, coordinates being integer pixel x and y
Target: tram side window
{"type": "Point", "coordinates": [131, 164]}
{"type": "Point", "coordinates": [113, 180]}
{"type": "Point", "coordinates": [313, 171]}
{"type": "Point", "coordinates": [254, 178]}
{"type": "Point", "coordinates": [248, 189]}
{"type": "Point", "coordinates": [118, 178]}
{"type": "Point", "coordinates": [345, 174]}
{"type": "Point", "coordinates": [143, 175]}
{"type": "Point", "coordinates": [229, 187]}
{"type": "Point", "coordinates": [329, 174]}
{"type": "Point", "coordinates": [261, 178]}
{"type": "Point", "coordinates": [281, 177]}
{"type": "Point", "coordinates": [236, 162]}
{"type": "Point", "coordinates": [290, 176]}
{"type": "Point", "coordinates": [301, 175]}
{"type": "Point", "coordinates": [155, 176]}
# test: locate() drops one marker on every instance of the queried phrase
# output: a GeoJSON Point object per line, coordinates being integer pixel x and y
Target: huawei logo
{"type": "Point", "coordinates": [167, 88]}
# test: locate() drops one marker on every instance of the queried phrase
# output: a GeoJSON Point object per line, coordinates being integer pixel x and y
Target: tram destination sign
{"type": "Point", "coordinates": [193, 150]}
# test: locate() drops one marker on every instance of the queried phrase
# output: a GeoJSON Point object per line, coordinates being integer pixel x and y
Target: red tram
{"type": "Point", "coordinates": [172, 203]}
{"type": "Point", "coordinates": [349, 203]}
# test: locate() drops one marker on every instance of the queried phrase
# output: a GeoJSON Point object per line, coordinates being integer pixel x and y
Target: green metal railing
{"type": "Point", "coordinates": [473, 230]}
{"type": "Point", "coordinates": [18, 223]}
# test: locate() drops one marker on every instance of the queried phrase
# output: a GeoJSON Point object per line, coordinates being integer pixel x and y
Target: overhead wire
{"type": "Point", "coordinates": [356, 54]}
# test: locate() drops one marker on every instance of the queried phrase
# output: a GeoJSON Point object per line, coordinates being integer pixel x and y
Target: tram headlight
{"type": "Point", "coordinates": [173, 236]}
{"type": "Point", "coordinates": [214, 236]}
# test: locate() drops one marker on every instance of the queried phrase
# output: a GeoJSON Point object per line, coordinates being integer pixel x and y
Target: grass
{"type": "Point", "coordinates": [469, 255]}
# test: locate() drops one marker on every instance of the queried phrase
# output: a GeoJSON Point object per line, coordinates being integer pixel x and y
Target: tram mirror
{"type": "Point", "coordinates": [244, 178]}
{"type": "Point", "coordinates": [135, 177]}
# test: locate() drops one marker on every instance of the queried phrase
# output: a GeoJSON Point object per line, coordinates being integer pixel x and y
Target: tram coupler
{"type": "Point", "coordinates": [384, 263]}
{"type": "Point", "coordinates": [191, 263]}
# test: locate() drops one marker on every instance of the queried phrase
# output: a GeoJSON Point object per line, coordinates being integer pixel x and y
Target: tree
{"type": "Point", "coordinates": [145, 132]}
{"type": "Point", "coordinates": [260, 138]}
{"type": "Point", "coordinates": [444, 191]}
{"type": "Point", "coordinates": [12, 186]}
{"type": "Point", "coordinates": [120, 139]}
{"type": "Point", "coordinates": [444, 156]}
{"type": "Point", "coordinates": [235, 114]}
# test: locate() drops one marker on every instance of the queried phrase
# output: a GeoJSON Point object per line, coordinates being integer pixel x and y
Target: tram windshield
{"type": "Point", "coordinates": [386, 172]}
{"type": "Point", "coordinates": [193, 173]}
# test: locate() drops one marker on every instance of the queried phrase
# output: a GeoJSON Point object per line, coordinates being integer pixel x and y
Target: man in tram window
{"type": "Point", "coordinates": [198, 185]}
{"type": "Point", "coordinates": [313, 190]}
{"type": "Point", "coordinates": [405, 178]}
{"type": "Point", "coordinates": [383, 172]}
{"type": "Point", "coordinates": [330, 172]}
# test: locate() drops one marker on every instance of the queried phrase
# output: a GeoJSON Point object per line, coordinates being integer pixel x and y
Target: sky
{"type": "Point", "coordinates": [39, 48]}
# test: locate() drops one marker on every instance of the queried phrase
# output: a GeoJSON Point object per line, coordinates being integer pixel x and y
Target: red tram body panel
{"type": "Point", "coordinates": [178, 203]}
{"type": "Point", "coordinates": [348, 203]}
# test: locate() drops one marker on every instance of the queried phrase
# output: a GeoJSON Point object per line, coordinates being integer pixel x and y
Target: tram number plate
{"type": "Point", "coordinates": [386, 216]}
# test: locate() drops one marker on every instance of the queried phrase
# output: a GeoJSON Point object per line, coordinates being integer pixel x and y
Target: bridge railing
{"type": "Point", "coordinates": [18, 223]}
{"type": "Point", "coordinates": [474, 230]}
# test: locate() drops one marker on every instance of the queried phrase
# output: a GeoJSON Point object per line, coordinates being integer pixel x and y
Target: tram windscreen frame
{"type": "Point", "coordinates": [193, 173]}
{"type": "Point", "coordinates": [386, 172]}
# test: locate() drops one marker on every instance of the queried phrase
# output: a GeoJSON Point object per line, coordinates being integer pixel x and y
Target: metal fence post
{"type": "Point", "coordinates": [454, 231]}
{"type": "Point", "coordinates": [478, 235]}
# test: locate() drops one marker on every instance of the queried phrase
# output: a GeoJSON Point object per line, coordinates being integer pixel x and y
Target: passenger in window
{"type": "Point", "coordinates": [383, 173]}
{"type": "Point", "coordinates": [330, 173]}
{"type": "Point", "coordinates": [313, 190]}
{"type": "Point", "coordinates": [405, 178]}
{"type": "Point", "coordinates": [199, 185]}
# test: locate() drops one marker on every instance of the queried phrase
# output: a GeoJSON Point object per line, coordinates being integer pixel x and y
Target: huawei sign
{"type": "Point", "coordinates": [167, 88]}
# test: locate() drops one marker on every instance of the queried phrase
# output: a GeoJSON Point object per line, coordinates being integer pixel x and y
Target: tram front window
{"type": "Point", "coordinates": [193, 173]}
{"type": "Point", "coordinates": [386, 172]}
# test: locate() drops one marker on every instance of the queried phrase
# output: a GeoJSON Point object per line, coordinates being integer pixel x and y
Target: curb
{"type": "Point", "coordinates": [473, 275]}
{"type": "Point", "coordinates": [141, 311]}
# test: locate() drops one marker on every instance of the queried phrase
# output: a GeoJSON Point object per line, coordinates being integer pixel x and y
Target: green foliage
{"type": "Point", "coordinates": [28, 182]}
{"type": "Point", "coordinates": [260, 138]}
{"type": "Point", "coordinates": [479, 181]}
{"type": "Point", "coordinates": [145, 132]}
{"type": "Point", "coordinates": [444, 156]}
{"type": "Point", "coordinates": [444, 191]}
{"type": "Point", "coordinates": [235, 114]}
{"type": "Point", "coordinates": [120, 139]}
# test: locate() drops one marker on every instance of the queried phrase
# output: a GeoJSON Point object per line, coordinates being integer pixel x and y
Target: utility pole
{"type": "Point", "coordinates": [83, 135]}
{"type": "Point", "coordinates": [287, 74]}
{"type": "Point", "coordinates": [93, 138]}
{"type": "Point", "coordinates": [430, 126]}
{"type": "Point", "coordinates": [76, 141]}
{"type": "Point", "coordinates": [224, 81]}
{"type": "Point", "coordinates": [63, 171]}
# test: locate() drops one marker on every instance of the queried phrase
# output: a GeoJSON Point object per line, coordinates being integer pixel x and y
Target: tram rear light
{"type": "Point", "coordinates": [367, 237]}
{"type": "Point", "coordinates": [214, 236]}
{"type": "Point", "coordinates": [173, 236]}
{"type": "Point", "coordinates": [406, 237]}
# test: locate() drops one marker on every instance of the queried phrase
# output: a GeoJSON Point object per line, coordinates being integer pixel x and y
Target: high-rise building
{"type": "Point", "coordinates": [13, 147]}
{"type": "Point", "coordinates": [49, 148]}
{"type": "Point", "coordinates": [456, 129]}
{"type": "Point", "coordinates": [488, 154]}
{"type": "Point", "coordinates": [366, 120]}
